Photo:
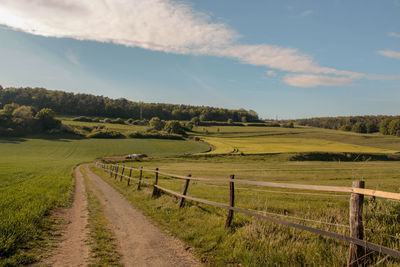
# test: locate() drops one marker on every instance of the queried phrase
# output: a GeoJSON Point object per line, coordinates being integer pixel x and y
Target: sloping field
{"type": "Point", "coordinates": [260, 145]}
{"type": "Point", "coordinates": [263, 140]}
{"type": "Point", "coordinates": [36, 176]}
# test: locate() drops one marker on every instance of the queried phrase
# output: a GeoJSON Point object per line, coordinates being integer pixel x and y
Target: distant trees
{"type": "Point", "coordinates": [359, 124]}
{"type": "Point", "coordinates": [18, 120]}
{"type": "Point", "coordinates": [100, 106]}
{"type": "Point", "coordinates": [359, 127]}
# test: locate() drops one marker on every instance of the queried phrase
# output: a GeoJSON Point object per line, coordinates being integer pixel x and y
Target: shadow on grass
{"type": "Point", "coordinates": [48, 137]}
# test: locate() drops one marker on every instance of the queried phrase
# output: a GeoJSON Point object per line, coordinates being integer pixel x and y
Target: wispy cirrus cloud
{"type": "Point", "coordinates": [390, 53]}
{"type": "Point", "coordinates": [394, 34]}
{"type": "Point", "coordinates": [311, 80]}
{"type": "Point", "coordinates": [162, 25]}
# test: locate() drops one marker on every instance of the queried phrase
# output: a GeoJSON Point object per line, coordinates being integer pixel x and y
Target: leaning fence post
{"type": "Point", "coordinates": [356, 252]}
{"type": "Point", "coordinates": [140, 178]}
{"type": "Point", "coordinates": [156, 192]}
{"type": "Point", "coordinates": [231, 202]}
{"type": "Point", "coordinates": [130, 175]}
{"type": "Point", "coordinates": [116, 172]}
{"type": "Point", "coordinates": [185, 189]}
{"type": "Point", "coordinates": [122, 173]}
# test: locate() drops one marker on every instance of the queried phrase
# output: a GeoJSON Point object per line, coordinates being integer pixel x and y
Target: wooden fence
{"type": "Point", "coordinates": [357, 193]}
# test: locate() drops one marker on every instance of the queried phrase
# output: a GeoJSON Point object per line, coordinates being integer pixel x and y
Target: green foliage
{"type": "Point", "coordinates": [118, 121]}
{"type": "Point", "coordinates": [47, 119]}
{"type": "Point", "coordinates": [372, 127]}
{"type": "Point", "coordinates": [156, 123]}
{"type": "Point", "coordinates": [21, 121]}
{"type": "Point", "coordinates": [9, 108]}
{"type": "Point", "coordinates": [230, 121]}
{"type": "Point", "coordinates": [83, 118]}
{"type": "Point", "coordinates": [394, 127]}
{"type": "Point", "coordinates": [371, 122]}
{"type": "Point", "coordinates": [156, 135]}
{"type": "Point", "coordinates": [174, 127]}
{"type": "Point", "coordinates": [288, 125]}
{"type": "Point", "coordinates": [346, 128]}
{"type": "Point", "coordinates": [196, 121]}
{"type": "Point", "coordinates": [105, 134]}
{"type": "Point", "coordinates": [384, 126]}
{"type": "Point", "coordinates": [359, 127]}
{"type": "Point", "coordinates": [90, 105]}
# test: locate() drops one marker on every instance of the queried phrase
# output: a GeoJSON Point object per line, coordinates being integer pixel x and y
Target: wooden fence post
{"type": "Point", "coordinates": [130, 175]}
{"type": "Point", "coordinates": [356, 252]}
{"type": "Point", "coordinates": [111, 170]}
{"type": "Point", "coordinates": [231, 202]}
{"type": "Point", "coordinates": [116, 172]}
{"type": "Point", "coordinates": [156, 192]}
{"type": "Point", "coordinates": [122, 173]}
{"type": "Point", "coordinates": [140, 178]}
{"type": "Point", "coordinates": [185, 189]}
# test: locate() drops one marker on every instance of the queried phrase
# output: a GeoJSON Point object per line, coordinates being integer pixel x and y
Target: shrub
{"type": "Point", "coordinates": [155, 135]}
{"type": "Point", "coordinates": [157, 124]}
{"type": "Point", "coordinates": [105, 134]}
{"type": "Point", "coordinates": [107, 120]}
{"type": "Point", "coordinates": [174, 127]}
{"type": "Point", "coordinates": [82, 118]}
{"type": "Point", "coordinates": [47, 119]}
{"type": "Point", "coordinates": [118, 121]}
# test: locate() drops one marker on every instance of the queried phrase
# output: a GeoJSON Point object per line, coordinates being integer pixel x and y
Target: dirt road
{"type": "Point", "coordinates": [74, 249]}
{"type": "Point", "coordinates": [140, 242]}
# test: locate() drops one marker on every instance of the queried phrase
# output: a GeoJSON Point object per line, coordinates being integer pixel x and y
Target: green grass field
{"type": "Point", "coordinates": [260, 243]}
{"type": "Point", "coordinates": [262, 140]}
{"type": "Point", "coordinates": [36, 177]}
{"type": "Point", "coordinates": [254, 242]}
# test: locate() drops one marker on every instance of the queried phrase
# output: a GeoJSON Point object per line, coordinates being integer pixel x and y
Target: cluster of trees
{"type": "Point", "coordinates": [90, 105]}
{"type": "Point", "coordinates": [16, 120]}
{"type": "Point", "coordinates": [390, 127]}
{"type": "Point", "coordinates": [358, 124]}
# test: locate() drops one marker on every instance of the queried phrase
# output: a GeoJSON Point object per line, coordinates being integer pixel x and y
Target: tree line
{"type": "Point", "coordinates": [90, 105]}
{"type": "Point", "coordinates": [387, 125]}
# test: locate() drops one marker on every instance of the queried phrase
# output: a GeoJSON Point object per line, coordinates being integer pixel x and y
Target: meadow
{"type": "Point", "coordinates": [36, 177]}
{"type": "Point", "coordinates": [254, 242]}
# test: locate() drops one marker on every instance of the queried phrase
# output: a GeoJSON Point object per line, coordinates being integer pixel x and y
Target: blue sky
{"type": "Point", "coordinates": [289, 59]}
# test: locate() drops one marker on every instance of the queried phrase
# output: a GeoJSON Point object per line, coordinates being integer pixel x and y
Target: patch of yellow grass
{"type": "Point", "coordinates": [259, 145]}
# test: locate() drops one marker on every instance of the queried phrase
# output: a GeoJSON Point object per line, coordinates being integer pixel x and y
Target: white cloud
{"type": "Point", "coordinates": [310, 80]}
{"type": "Point", "coordinates": [271, 73]}
{"type": "Point", "coordinates": [393, 34]}
{"type": "Point", "coordinates": [162, 25]}
{"type": "Point", "coordinates": [390, 53]}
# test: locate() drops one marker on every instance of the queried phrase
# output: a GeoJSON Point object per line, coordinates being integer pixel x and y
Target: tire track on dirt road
{"type": "Point", "coordinates": [140, 242]}
{"type": "Point", "coordinates": [74, 249]}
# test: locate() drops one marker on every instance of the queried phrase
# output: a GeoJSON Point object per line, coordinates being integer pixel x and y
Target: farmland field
{"type": "Point", "coordinates": [36, 177]}
{"type": "Point", "coordinates": [254, 242]}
